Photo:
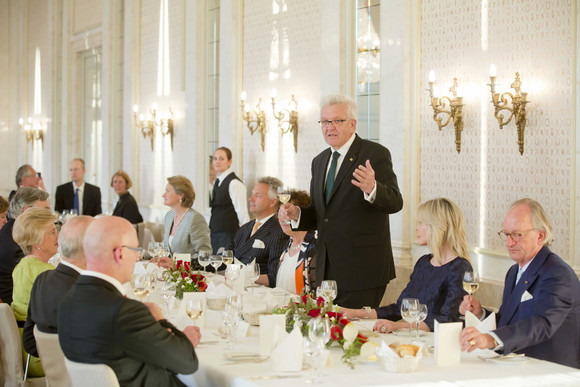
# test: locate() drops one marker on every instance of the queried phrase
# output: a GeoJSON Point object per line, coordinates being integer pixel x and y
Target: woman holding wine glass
{"type": "Point", "coordinates": [297, 263]}
{"type": "Point", "coordinates": [186, 230]}
{"type": "Point", "coordinates": [437, 279]}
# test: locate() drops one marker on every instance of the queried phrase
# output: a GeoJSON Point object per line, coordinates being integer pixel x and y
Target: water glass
{"type": "Point", "coordinates": [216, 262]}
{"type": "Point", "coordinates": [232, 273]}
{"type": "Point", "coordinates": [203, 257]}
{"type": "Point", "coordinates": [328, 290]}
{"type": "Point", "coordinates": [319, 334]}
{"type": "Point", "coordinates": [252, 273]}
{"type": "Point", "coordinates": [421, 316]}
{"type": "Point", "coordinates": [410, 311]}
{"type": "Point", "coordinates": [167, 292]}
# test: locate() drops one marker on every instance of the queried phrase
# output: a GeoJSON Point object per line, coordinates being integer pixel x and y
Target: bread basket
{"type": "Point", "coordinates": [216, 303]}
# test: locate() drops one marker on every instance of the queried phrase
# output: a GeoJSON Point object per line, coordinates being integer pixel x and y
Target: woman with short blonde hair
{"type": "Point", "coordinates": [127, 206]}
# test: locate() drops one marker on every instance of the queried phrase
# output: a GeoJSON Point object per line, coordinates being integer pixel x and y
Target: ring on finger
{"type": "Point", "coordinates": [383, 329]}
{"type": "Point", "coordinates": [472, 343]}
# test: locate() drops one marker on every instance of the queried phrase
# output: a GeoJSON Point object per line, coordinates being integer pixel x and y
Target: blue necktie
{"type": "Point", "coordinates": [331, 173]}
{"type": "Point", "coordinates": [76, 202]}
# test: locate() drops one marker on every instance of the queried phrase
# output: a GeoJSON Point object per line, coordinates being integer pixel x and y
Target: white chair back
{"type": "Point", "coordinates": [11, 351]}
{"type": "Point", "coordinates": [91, 375]}
{"type": "Point", "coordinates": [52, 358]}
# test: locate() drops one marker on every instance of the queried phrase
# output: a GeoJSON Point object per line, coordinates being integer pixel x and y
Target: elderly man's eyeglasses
{"type": "Point", "coordinates": [334, 123]}
{"type": "Point", "coordinates": [140, 252]}
{"type": "Point", "coordinates": [516, 236]}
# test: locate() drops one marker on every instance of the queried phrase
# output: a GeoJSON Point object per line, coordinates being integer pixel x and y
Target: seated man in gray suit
{"type": "Point", "coordinates": [50, 286]}
{"type": "Point", "coordinates": [262, 239]}
{"type": "Point", "coordinates": [540, 311]}
{"type": "Point", "coordinates": [98, 324]}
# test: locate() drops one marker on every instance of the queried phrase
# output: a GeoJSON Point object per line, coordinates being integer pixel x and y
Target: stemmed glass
{"type": "Point", "coordinates": [328, 290]}
{"type": "Point", "coordinates": [228, 257]}
{"type": "Point", "coordinates": [232, 273]}
{"type": "Point", "coordinates": [141, 284]}
{"type": "Point", "coordinates": [409, 311]}
{"type": "Point", "coordinates": [216, 262]}
{"type": "Point", "coordinates": [284, 197]}
{"type": "Point", "coordinates": [167, 293]}
{"type": "Point", "coordinates": [203, 257]}
{"type": "Point", "coordinates": [253, 273]}
{"type": "Point", "coordinates": [421, 316]}
{"type": "Point", "coordinates": [319, 334]}
{"type": "Point", "coordinates": [194, 309]}
{"type": "Point", "coordinates": [231, 320]}
{"type": "Point", "coordinates": [470, 284]}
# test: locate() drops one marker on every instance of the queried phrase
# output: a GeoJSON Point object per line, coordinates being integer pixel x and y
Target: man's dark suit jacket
{"type": "Point", "coordinates": [353, 234]}
{"type": "Point", "coordinates": [65, 194]}
{"type": "Point", "coordinates": [96, 324]}
{"type": "Point", "coordinates": [127, 208]}
{"type": "Point", "coordinates": [10, 255]}
{"type": "Point", "coordinates": [546, 324]}
{"type": "Point", "coordinates": [48, 290]}
{"type": "Point", "coordinates": [274, 239]}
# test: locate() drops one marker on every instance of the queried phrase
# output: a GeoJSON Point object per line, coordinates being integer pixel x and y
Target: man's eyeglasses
{"type": "Point", "coordinates": [516, 236]}
{"type": "Point", "coordinates": [334, 123]}
{"type": "Point", "coordinates": [140, 252]}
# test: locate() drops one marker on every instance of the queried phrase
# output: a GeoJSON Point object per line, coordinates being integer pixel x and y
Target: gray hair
{"type": "Point", "coordinates": [25, 197]}
{"type": "Point", "coordinates": [339, 99]}
{"type": "Point", "coordinates": [23, 171]}
{"type": "Point", "coordinates": [539, 218]}
{"type": "Point", "coordinates": [70, 239]}
{"type": "Point", "coordinates": [274, 183]}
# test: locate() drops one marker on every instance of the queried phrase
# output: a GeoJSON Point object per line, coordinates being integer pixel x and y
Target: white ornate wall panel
{"type": "Point", "coordinates": [88, 14]}
{"type": "Point", "coordinates": [461, 38]}
{"type": "Point", "coordinates": [282, 51]}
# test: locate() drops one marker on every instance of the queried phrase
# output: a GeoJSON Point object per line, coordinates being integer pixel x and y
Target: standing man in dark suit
{"type": "Point", "coordinates": [353, 190]}
{"type": "Point", "coordinates": [262, 239]}
{"type": "Point", "coordinates": [78, 195]}
{"type": "Point", "coordinates": [98, 324]}
{"type": "Point", "coordinates": [540, 310]}
{"type": "Point", "coordinates": [50, 286]}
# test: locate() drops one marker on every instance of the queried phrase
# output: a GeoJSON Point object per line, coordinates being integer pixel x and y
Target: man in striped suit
{"type": "Point", "coordinates": [262, 239]}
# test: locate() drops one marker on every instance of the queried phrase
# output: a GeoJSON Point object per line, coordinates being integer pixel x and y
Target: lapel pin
{"type": "Point", "coordinates": [351, 159]}
{"type": "Point", "coordinates": [525, 282]}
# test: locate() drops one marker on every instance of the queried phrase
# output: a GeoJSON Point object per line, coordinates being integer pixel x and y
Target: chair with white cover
{"type": "Point", "coordinates": [11, 351]}
{"type": "Point", "coordinates": [52, 358]}
{"type": "Point", "coordinates": [91, 375]}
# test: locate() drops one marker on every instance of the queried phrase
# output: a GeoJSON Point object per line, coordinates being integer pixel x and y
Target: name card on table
{"type": "Point", "coordinates": [243, 329]}
{"type": "Point", "coordinates": [271, 327]}
{"type": "Point", "coordinates": [447, 348]}
{"type": "Point", "coordinates": [185, 257]}
{"type": "Point", "coordinates": [183, 320]}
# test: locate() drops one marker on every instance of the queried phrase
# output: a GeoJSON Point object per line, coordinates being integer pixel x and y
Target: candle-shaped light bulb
{"type": "Point", "coordinates": [21, 121]}
{"type": "Point", "coordinates": [154, 106]}
{"type": "Point", "coordinates": [243, 96]}
{"type": "Point", "coordinates": [460, 90]}
{"type": "Point", "coordinates": [431, 76]}
{"type": "Point", "coordinates": [135, 108]}
{"type": "Point", "coordinates": [274, 93]}
{"type": "Point", "coordinates": [141, 117]}
{"type": "Point", "coordinates": [492, 70]}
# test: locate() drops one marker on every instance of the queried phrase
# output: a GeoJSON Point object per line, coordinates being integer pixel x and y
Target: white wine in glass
{"type": "Point", "coordinates": [194, 309]}
{"type": "Point", "coordinates": [470, 282]}
{"type": "Point", "coordinates": [283, 194]}
{"type": "Point", "coordinates": [228, 257]}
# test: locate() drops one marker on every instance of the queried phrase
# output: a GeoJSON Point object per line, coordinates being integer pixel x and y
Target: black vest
{"type": "Point", "coordinates": [223, 214]}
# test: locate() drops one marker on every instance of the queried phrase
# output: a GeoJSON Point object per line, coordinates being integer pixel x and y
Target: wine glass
{"type": "Point", "coordinates": [470, 284]}
{"type": "Point", "coordinates": [234, 302]}
{"type": "Point", "coordinates": [309, 350]}
{"type": "Point", "coordinates": [319, 334]}
{"type": "Point", "coordinates": [409, 311]}
{"type": "Point", "coordinates": [216, 262]}
{"type": "Point", "coordinates": [141, 284]}
{"type": "Point", "coordinates": [228, 257]}
{"type": "Point", "coordinates": [253, 273]}
{"type": "Point", "coordinates": [152, 248]}
{"type": "Point", "coordinates": [328, 290]}
{"type": "Point", "coordinates": [194, 309]}
{"type": "Point", "coordinates": [230, 324]}
{"type": "Point", "coordinates": [421, 316]}
{"type": "Point", "coordinates": [167, 293]}
{"type": "Point", "coordinates": [232, 273]}
{"type": "Point", "coordinates": [284, 197]}
{"type": "Point", "coordinates": [203, 257]}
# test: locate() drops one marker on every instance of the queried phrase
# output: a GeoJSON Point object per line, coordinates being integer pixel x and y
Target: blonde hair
{"type": "Point", "coordinates": [30, 227]}
{"type": "Point", "coordinates": [3, 205]}
{"type": "Point", "coordinates": [125, 177]}
{"type": "Point", "coordinates": [445, 227]}
{"type": "Point", "coordinates": [182, 186]}
{"type": "Point", "coordinates": [539, 218]}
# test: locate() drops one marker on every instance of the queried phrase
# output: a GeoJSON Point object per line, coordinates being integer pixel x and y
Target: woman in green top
{"type": "Point", "coordinates": [35, 233]}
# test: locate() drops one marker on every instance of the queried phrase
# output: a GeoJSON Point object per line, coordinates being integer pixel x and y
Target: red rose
{"type": "Point", "coordinates": [331, 314]}
{"type": "Point", "coordinates": [320, 301]}
{"type": "Point", "coordinates": [197, 277]}
{"type": "Point", "coordinates": [362, 339]}
{"type": "Point", "coordinates": [178, 264]}
{"type": "Point", "coordinates": [314, 312]}
{"type": "Point", "coordinates": [335, 333]}
{"type": "Point", "coordinates": [343, 321]}
{"type": "Point", "coordinates": [304, 299]}
{"type": "Point", "coordinates": [201, 286]}
{"type": "Point", "coordinates": [183, 275]}
{"type": "Point", "coordinates": [187, 265]}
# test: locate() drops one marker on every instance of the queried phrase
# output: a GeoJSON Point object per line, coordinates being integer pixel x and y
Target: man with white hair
{"type": "Point", "coordinates": [50, 286]}
{"type": "Point", "coordinates": [97, 323]}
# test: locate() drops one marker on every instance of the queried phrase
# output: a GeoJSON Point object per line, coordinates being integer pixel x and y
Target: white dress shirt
{"type": "Point", "coordinates": [238, 195]}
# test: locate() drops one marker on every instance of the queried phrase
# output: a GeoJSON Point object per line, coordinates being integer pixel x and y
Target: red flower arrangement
{"type": "Point", "coordinates": [342, 331]}
{"type": "Point", "coordinates": [186, 280]}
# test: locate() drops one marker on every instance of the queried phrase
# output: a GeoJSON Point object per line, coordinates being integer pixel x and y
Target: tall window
{"type": "Point", "coordinates": [212, 128]}
{"type": "Point", "coordinates": [368, 59]}
{"type": "Point", "coordinates": [91, 114]}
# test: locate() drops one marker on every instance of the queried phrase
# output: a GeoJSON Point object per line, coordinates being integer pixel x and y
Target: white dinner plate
{"type": "Point", "coordinates": [509, 359]}
{"type": "Point", "coordinates": [245, 356]}
{"type": "Point", "coordinates": [405, 333]}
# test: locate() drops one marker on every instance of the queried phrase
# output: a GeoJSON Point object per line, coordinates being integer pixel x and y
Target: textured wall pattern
{"type": "Point", "coordinates": [87, 14]}
{"type": "Point", "coordinates": [281, 50]}
{"type": "Point", "coordinates": [461, 39]}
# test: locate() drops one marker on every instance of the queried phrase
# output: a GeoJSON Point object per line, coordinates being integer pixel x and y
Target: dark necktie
{"type": "Point", "coordinates": [331, 173]}
{"type": "Point", "coordinates": [76, 202]}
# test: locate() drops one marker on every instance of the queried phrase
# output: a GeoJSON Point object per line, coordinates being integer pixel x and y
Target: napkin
{"type": "Point", "coordinates": [217, 291]}
{"type": "Point", "coordinates": [447, 349]}
{"type": "Point", "coordinates": [482, 326]}
{"type": "Point", "coordinates": [287, 355]}
{"type": "Point", "coordinates": [272, 328]}
{"type": "Point", "coordinates": [258, 244]}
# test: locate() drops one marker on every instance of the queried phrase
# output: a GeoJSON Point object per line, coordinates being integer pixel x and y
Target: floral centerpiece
{"type": "Point", "coordinates": [185, 279]}
{"type": "Point", "coordinates": [342, 331]}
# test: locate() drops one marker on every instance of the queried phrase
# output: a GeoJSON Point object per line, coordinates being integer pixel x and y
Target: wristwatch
{"type": "Point", "coordinates": [367, 310]}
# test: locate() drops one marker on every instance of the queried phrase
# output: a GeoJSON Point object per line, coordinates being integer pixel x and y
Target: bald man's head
{"type": "Point", "coordinates": [103, 245]}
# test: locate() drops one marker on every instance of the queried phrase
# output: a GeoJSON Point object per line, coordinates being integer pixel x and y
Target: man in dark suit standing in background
{"type": "Point", "coordinates": [353, 190]}
{"type": "Point", "coordinates": [98, 324]}
{"type": "Point", "coordinates": [78, 195]}
{"type": "Point", "coordinates": [540, 310]}
{"type": "Point", "coordinates": [262, 239]}
{"type": "Point", "coordinates": [50, 286]}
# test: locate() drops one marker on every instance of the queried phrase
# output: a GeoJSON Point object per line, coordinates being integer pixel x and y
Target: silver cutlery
{"type": "Point", "coordinates": [269, 377]}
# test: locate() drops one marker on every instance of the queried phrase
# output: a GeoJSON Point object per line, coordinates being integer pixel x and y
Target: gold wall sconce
{"type": "Point", "coordinates": [162, 121]}
{"type": "Point", "coordinates": [517, 109]}
{"type": "Point", "coordinates": [256, 119]}
{"type": "Point", "coordinates": [33, 129]}
{"type": "Point", "coordinates": [453, 112]}
{"type": "Point", "coordinates": [287, 118]}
